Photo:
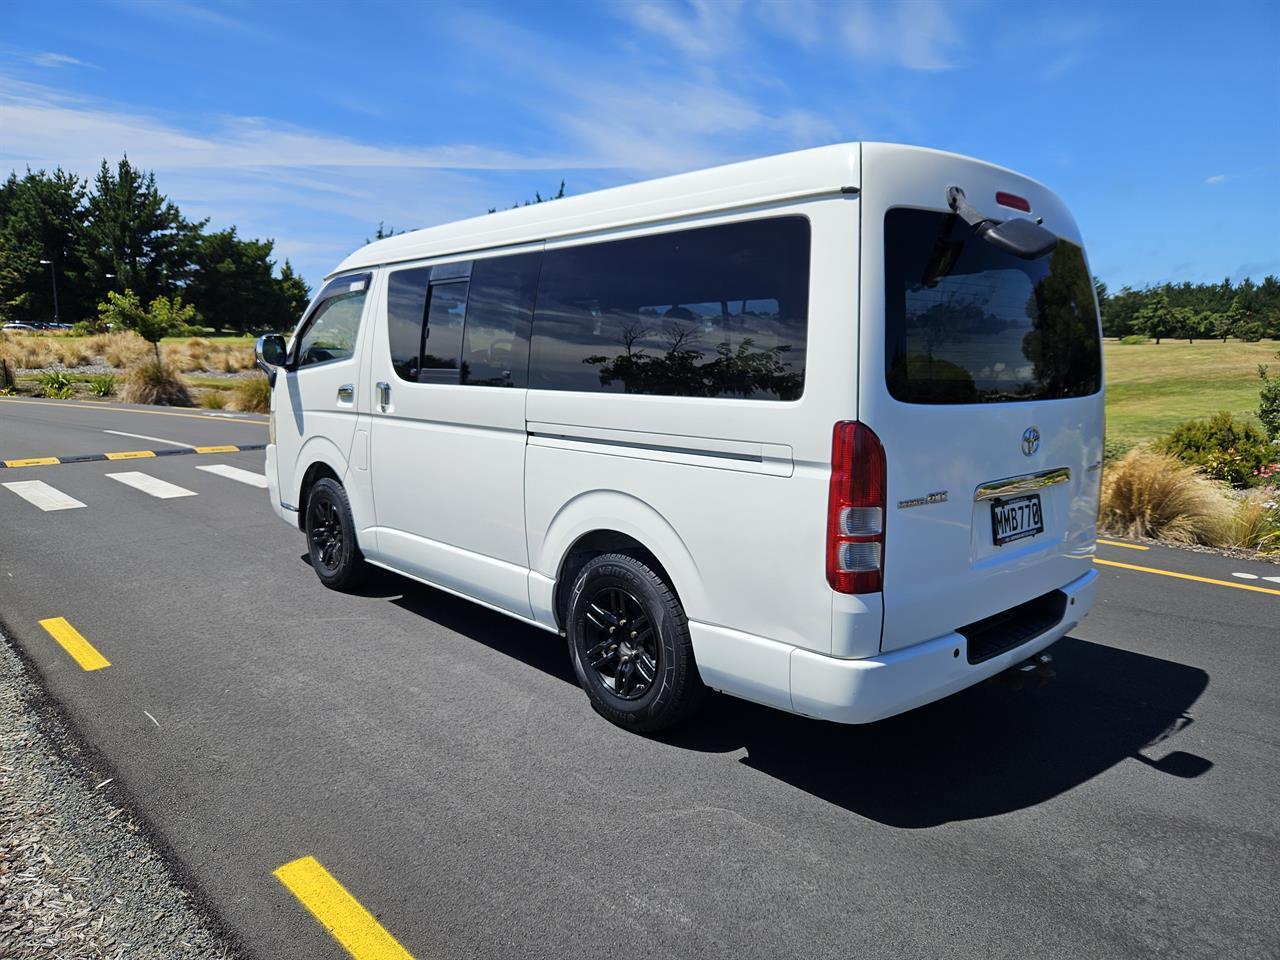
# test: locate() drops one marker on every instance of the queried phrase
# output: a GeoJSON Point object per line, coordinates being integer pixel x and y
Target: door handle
{"type": "Point", "coordinates": [346, 393]}
{"type": "Point", "coordinates": [384, 396]}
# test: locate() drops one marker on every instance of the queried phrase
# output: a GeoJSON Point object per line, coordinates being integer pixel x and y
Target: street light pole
{"type": "Point", "coordinates": [53, 273]}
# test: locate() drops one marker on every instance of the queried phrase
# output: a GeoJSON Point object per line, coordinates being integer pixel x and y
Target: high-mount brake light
{"type": "Point", "coordinates": [1013, 201]}
{"type": "Point", "coordinates": [856, 510]}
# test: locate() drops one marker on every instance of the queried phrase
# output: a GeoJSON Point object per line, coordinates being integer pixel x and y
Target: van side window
{"type": "Point", "coordinates": [495, 346]}
{"type": "Point", "coordinates": [406, 308]}
{"type": "Point", "coordinates": [710, 312]}
{"type": "Point", "coordinates": [330, 332]}
{"type": "Point", "coordinates": [442, 336]}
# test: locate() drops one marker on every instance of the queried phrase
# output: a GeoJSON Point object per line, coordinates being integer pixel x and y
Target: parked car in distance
{"type": "Point", "coordinates": [821, 430]}
{"type": "Point", "coordinates": [18, 326]}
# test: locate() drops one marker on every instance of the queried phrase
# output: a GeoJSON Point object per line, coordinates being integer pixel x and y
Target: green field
{"type": "Point", "coordinates": [1153, 387]}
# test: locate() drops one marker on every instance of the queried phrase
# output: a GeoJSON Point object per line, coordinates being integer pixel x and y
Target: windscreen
{"type": "Point", "coordinates": [969, 323]}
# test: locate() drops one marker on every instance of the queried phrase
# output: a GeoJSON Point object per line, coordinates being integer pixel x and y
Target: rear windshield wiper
{"type": "Point", "coordinates": [1023, 238]}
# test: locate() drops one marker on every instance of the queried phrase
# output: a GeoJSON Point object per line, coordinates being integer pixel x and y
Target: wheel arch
{"type": "Point", "coordinates": [322, 459]}
{"type": "Point", "coordinates": [602, 522]}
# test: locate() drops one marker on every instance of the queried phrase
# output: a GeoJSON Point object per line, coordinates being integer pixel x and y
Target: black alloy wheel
{"type": "Point", "coordinates": [629, 643]}
{"type": "Point", "coordinates": [331, 537]}
{"type": "Point", "coordinates": [624, 650]}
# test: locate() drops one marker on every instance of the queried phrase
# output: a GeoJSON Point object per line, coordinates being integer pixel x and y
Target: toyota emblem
{"type": "Point", "coordinates": [1030, 441]}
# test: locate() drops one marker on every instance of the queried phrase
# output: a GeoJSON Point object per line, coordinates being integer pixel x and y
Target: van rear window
{"type": "Point", "coordinates": [968, 323]}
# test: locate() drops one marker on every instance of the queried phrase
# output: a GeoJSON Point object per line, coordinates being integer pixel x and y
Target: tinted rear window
{"type": "Point", "coordinates": [967, 323]}
{"type": "Point", "coordinates": [711, 312]}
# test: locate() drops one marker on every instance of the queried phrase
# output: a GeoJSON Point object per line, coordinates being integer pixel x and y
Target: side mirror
{"type": "Point", "coordinates": [271, 354]}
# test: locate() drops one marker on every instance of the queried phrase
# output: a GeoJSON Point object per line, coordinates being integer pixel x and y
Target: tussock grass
{"type": "Point", "coordinates": [1148, 494]}
{"type": "Point", "coordinates": [122, 350]}
{"type": "Point", "coordinates": [1255, 522]}
{"type": "Point", "coordinates": [151, 382]}
{"type": "Point", "coordinates": [252, 395]}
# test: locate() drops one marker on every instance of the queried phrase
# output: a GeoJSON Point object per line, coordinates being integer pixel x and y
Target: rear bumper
{"type": "Point", "coordinates": [861, 691]}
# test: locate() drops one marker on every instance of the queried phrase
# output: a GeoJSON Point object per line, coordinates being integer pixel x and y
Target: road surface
{"type": "Point", "coordinates": [439, 762]}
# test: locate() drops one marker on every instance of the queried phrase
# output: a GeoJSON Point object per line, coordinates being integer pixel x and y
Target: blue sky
{"type": "Point", "coordinates": [1159, 123]}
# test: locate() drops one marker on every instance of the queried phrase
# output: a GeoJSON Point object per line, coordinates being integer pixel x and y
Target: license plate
{"type": "Point", "coordinates": [1016, 519]}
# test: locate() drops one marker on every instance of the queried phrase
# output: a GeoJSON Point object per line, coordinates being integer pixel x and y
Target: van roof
{"type": "Point", "coordinates": [782, 177]}
{"type": "Point", "coordinates": [769, 179]}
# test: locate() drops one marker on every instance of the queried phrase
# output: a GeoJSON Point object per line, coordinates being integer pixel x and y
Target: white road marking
{"type": "Point", "coordinates": [161, 489]}
{"type": "Point", "coordinates": [235, 473]}
{"type": "Point", "coordinates": [1272, 579]}
{"type": "Point", "coordinates": [143, 436]}
{"type": "Point", "coordinates": [1246, 576]}
{"type": "Point", "coordinates": [40, 494]}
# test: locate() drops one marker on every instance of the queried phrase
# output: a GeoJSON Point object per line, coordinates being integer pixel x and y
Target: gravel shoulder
{"type": "Point", "coordinates": [78, 876]}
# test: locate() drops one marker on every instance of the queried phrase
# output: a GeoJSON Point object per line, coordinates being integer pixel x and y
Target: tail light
{"type": "Point", "coordinates": [856, 510]}
{"type": "Point", "coordinates": [1013, 201]}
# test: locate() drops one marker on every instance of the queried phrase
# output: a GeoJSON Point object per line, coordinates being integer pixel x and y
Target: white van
{"type": "Point", "coordinates": [822, 430]}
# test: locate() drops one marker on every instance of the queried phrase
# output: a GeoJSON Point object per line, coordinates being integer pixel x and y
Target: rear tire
{"type": "Point", "coordinates": [629, 643]}
{"type": "Point", "coordinates": [331, 536]}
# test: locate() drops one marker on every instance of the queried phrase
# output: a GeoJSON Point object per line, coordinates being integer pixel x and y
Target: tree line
{"type": "Point", "coordinates": [1193, 311]}
{"type": "Point", "coordinates": [120, 235]}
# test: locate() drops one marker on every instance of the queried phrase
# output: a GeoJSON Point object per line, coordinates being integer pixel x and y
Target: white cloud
{"type": "Point", "coordinates": [56, 60]}
{"type": "Point", "coordinates": [698, 29]}
{"type": "Point", "coordinates": [1216, 179]}
{"type": "Point", "coordinates": [918, 35]}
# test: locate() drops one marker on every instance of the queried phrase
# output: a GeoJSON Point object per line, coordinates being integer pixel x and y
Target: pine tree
{"type": "Point", "coordinates": [41, 218]}
{"type": "Point", "coordinates": [136, 233]}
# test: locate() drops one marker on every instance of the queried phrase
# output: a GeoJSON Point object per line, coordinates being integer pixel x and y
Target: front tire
{"type": "Point", "coordinates": [331, 536]}
{"type": "Point", "coordinates": [630, 647]}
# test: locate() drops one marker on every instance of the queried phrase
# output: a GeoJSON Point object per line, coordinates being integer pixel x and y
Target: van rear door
{"type": "Point", "coordinates": [981, 373]}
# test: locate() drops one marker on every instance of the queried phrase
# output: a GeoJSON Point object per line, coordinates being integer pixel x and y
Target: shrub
{"type": "Point", "coordinates": [152, 382]}
{"type": "Point", "coordinates": [57, 385]}
{"type": "Point", "coordinates": [1155, 495]}
{"type": "Point", "coordinates": [1134, 338]}
{"type": "Point", "coordinates": [253, 395]}
{"type": "Point", "coordinates": [213, 400]}
{"type": "Point", "coordinates": [1225, 448]}
{"type": "Point", "coordinates": [1269, 404]}
{"type": "Point", "coordinates": [1255, 522]}
{"type": "Point", "coordinates": [103, 385]}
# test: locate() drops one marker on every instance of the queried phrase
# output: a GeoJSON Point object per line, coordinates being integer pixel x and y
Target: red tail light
{"type": "Point", "coordinates": [856, 510]}
{"type": "Point", "coordinates": [1012, 200]}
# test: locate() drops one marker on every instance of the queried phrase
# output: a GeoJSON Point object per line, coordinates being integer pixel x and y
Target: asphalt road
{"type": "Point", "coordinates": [440, 762]}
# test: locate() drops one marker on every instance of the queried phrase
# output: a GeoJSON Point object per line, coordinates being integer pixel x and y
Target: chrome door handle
{"type": "Point", "coordinates": [346, 393]}
{"type": "Point", "coordinates": [384, 396]}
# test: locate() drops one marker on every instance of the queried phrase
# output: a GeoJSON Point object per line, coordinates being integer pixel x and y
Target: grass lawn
{"type": "Point", "coordinates": [1152, 388]}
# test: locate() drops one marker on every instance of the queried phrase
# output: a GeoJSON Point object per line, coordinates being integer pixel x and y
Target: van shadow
{"type": "Point", "coordinates": [995, 748]}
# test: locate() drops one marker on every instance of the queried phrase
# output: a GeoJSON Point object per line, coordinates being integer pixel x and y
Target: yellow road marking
{"type": "Point", "coordinates": [73, 405]}
{"type": "Point", "coordinates": [1186, 576]}
{"type": "Point", "coordinates": [131, 455]}
{"type": "Point", "coordinates": [340, 913]}
{"type": "Point", "coordinates": [81, 650]}
{"type": "Point", "coordinates": [32, 462]}
{"type": "Point", "coordinates": [225, 448]}
{"type": "Point", "coordinates": [1127, 546]}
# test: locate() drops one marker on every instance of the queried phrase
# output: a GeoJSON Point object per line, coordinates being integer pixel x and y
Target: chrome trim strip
{"type": "Point", "coordinates": [659, 447]}
{"type": "Point", "coordinates": [1027, 483]}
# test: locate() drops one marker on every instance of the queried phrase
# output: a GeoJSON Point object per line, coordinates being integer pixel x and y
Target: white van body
{"type": "Point", "coordinates": [497, 492]}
